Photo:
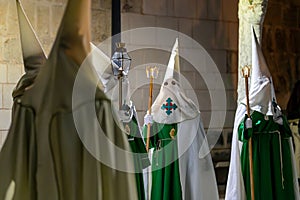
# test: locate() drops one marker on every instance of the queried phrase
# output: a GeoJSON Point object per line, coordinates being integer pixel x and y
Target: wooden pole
{"type": "Point", "coordinates": [150, 111]}
{"type": "Point", "coordinates": [120, 92]}
{"type": "Point", "coordinates": [246, 72]}
{"type": "Point", "coordinates": [152, 73]}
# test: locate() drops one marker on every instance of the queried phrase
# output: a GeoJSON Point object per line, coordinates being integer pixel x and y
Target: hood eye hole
{"type": "Point", "coordinates": [165, 83]}
{"type": "Point", "coordinates": [173, 83]}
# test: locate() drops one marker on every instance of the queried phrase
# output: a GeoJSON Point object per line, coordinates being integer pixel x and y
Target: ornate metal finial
{"type": "Point", "coordinates": [246, 71]}
{"type": "Point", "coordinates": [152, 71]}
{"type": "Point", "coordinates": [120, 45]}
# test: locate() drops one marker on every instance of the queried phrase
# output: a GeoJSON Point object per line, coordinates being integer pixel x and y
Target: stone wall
{"type": "Point", "coordinates": [10, 62]}
{"type": "Point", "coordinates": [281, 45]}
{"type": "Point", "coordinates": [214, 25]}
{"type": "Point", "coordinates": [45, 17]}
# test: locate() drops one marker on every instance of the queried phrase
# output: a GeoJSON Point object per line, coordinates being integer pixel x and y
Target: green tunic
{"type": "Point", "coordinates": [165, 165]}
{"type": "Point", "coordinates": [271, 152]}
{"type": "Point", "coordinates": [141, 160]}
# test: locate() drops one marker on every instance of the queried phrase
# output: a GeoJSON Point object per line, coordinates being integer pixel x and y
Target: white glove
{"type": "Point", "coordinates": [148, 119]}
{"type": "Point", "coordinates": [124, 116]}
{"type": "Point", "coordinates": [248, 123]}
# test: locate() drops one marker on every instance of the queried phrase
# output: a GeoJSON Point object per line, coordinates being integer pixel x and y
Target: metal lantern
{"type": "Point", "coordinates": [120, 66]}
{"type": "Point", "coordinates": [120, 61]}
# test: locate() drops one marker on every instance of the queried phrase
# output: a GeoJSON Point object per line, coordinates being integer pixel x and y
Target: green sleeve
{"type": "Point", "coordinates": [244, 134]}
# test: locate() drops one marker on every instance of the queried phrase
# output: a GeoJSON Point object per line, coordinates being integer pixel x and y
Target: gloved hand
{"type": "Point", "coordinates": [124, 115]}
{"type": "Point", "coordinates": [148, 119]}
{"type": "Point", "coordinates": [248, 123]}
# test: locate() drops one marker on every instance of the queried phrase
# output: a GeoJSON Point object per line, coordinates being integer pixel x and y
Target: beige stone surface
{"type": "Point", "coordinates": [204, 32]}
{"type": "Point", "coordinates": [186, 9]}
{"type": "Point", "coordinates": [5, 116]}
{"type": "Point", "coordinates": [14, 72]}
{"type": "Point", "coordinates": [3, 73]}
{"type": "Point", "coordinates": [132, 6]}
{"type": "Point", "coordinates": [57, 12]}
{"type": "Point", "coordinates": [11, 20]}
{"type": "Point", "coordinates": [137, 20]}
{"type": "Point", "coordinates": [3, 135]}
{"type": "Point", "coordinates": [11, 50]}
{"type": "Point", "coordinates": [167, 22]}
{"type": "Point", "coordinates": [157, 7]}
{"type": "Point", "coordinates": [248, 15]}
{"type": "Point", "coordinates": [186, 26]}
{"type": "Point", "coordinates": [7, 95]}
{"type": "Point", "coordinates": [1, 95]}
{"type": "Point", "coordinates": [43, 22]}
{"type": "Point", "coordinates": [101, 25]}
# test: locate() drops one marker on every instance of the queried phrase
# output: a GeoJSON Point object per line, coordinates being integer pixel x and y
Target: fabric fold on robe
{"type": "Point", "coordinates": [272, 164]}
{"type": "Point", "coordinates": [49, 160]}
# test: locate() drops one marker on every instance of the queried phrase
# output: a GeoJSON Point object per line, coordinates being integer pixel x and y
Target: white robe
{"type": "Point", "coordinates": [197, 175]}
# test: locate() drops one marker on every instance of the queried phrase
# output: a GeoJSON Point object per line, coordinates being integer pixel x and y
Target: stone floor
{"type": "Point", "coordinates": [221, 157]}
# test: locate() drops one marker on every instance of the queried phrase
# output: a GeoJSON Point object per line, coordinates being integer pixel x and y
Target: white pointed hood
{"type": "Point", "coordinates": [173, 69]}
{"type": "Point", "coordinates": [261, 96]}
{"type": "Point", "coordinates": [261, 93]}
{"type": "Point", "coordinates": [171, 105]}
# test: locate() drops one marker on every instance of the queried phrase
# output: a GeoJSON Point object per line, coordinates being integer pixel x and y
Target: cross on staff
{"type": "Point", "coordinates": [152, 73]}
{"type": "Point", "coordinates": [246, 74]}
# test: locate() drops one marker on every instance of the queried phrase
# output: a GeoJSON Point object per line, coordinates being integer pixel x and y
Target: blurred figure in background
{"type": "Point", "coordinates": [293, 115]}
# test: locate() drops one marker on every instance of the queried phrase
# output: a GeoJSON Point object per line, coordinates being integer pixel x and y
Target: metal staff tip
{"type": "Point", "coordinates": [152, 71]}
{"type": "Point", "coordinates": [246, 71]}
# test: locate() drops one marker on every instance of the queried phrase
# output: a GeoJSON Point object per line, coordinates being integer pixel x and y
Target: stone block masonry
{"type": "Point", "coordinates": [212, 23]}
{"type": "Point", "coordinates": [10, 62]}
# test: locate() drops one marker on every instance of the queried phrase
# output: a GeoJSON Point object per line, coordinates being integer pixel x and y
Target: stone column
{"type": "Point", "coordinates": [251, 12]}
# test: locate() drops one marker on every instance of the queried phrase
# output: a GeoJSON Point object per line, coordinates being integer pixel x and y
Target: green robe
{"type": "Point", "coordinates": [270, 143]}
{"type": "Point", "coordinates": [165, 166]}
{"type": "Point", "coordinates": [141, 160]}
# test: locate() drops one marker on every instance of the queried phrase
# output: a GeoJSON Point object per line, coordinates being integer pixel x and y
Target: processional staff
{"type": "Point", "coordinates": [246, 74]}
{"type": "Point", "coordinates": [120, 67]}
{"type": "Point", "coordinates": [152, 73]}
